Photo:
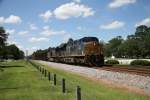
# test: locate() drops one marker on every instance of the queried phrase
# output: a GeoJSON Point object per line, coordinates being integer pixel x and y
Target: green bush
{"type": "Point", "coordinates": [112, 62]}
{"type": "Point", "coordinates": [140, 62]}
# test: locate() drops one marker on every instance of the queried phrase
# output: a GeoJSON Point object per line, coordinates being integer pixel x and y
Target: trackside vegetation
{"type": "Point", "coordinates": [136, 45]}
{"type": "Point", "coordinates": [140, 62]}
{"type": "Point", "coordinates": [8, 51]}
{"type": "Point", "coordinates": [112, 62]}
{"type": "Point", "coordinates": [19, 80]}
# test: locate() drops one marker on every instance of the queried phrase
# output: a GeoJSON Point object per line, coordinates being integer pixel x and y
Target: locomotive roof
{"type": "Point", "coordinates": [88, 39]}
{"type": "Point", "coordinates": [84, 39]}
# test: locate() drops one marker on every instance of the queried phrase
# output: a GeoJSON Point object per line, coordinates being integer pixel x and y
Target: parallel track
{"type": "Point", "coordinates": [132, 70]}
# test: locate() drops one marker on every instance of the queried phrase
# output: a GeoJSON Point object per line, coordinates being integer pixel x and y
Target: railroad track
{"type": "Point", "coordinates": [132, 70]}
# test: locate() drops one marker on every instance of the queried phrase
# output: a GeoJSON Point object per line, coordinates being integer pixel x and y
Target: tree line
{"type": "Point", "coordinates": [136, 45]}
{"type": "Point", "coordinates": [8, 51]}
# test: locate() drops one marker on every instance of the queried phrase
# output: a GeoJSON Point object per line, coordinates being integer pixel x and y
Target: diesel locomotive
{"type": "Point", "coordinates": [86, 51]}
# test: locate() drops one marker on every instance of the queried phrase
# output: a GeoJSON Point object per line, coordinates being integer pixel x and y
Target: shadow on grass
{"type": "Point", "coordinates": [1, 70]}
{"type": "Point", "coordinates": [9, 88]}
{"type": "Point", "coordinates": [3, 66]}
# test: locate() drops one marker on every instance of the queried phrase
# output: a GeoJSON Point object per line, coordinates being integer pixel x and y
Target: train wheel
{"type": "Point", "coordinates": [90, 60]}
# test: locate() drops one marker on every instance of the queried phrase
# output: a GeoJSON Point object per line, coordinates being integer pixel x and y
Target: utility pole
{"type": "Point", "coordinates": [26, 55]}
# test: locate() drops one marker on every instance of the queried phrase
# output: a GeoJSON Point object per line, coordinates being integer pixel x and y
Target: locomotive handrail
{"type": "Point", "coordinates": [68, 56]}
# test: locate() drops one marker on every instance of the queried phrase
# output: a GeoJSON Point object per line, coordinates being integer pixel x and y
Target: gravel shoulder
{"type": "Point", "coordinates": [137, 83]}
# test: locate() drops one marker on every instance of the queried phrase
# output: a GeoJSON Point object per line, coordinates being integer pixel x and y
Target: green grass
{"type": "Point", "coordinates": [21, 81]}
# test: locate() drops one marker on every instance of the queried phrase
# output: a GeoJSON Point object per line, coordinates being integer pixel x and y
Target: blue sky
{"type": "Point", "coordinates": [35, 24]}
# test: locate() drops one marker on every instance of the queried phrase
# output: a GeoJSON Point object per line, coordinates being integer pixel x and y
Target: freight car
{"type": "Point", "coordinates": [86, 51]}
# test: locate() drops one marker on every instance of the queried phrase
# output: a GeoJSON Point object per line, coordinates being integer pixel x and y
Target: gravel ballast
{"type": "Point", "coordinates": [142, 82]}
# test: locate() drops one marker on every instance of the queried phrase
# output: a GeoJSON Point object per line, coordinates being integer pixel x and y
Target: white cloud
{"type": "Point", "coordinates": [49, 32]}
{"type": "Point", "coordinates": [34, 48]}
{"type": "Point", "coordinates": [11, 42]}
{"type": "Point", "coordinates": [46, 27]}
{"type": "Point", "coordinates": [113, 25]}
{"type": "Point", "coordinates": [33, 27]}
{"type": "Point", "coordinates": [79, 28]}
{"type": "Point", "coordinates": [2, 20]}
{"type": "Point", "coordinates": [31, 50]}
{"type": "Point", "coordinates": [145, 21]}
{"type": "Point", "coordinates": [12, 19]}
{"type": "Point", "coordinates": [20, 47]}
{"type": "Point", "coordinates": [35, 39]}
{"type": "Point", "coordinates": [46, 15]}
{"type": "Point", "coordinates": [10, 31]}
{"type": "Point", "coordinates": [119, 3]}
{"type": "Point", "coordinates": [78, 1]}
{"type": "Point", "coordinates": [52, 32]}
{"type": "Point", "coordinates": [72, 9]}
{"type": "Point", "coordinates": [23, 32]}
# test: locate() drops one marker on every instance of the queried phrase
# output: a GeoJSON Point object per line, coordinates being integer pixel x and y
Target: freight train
{"type": "Point", "coordinates": [87, 51]}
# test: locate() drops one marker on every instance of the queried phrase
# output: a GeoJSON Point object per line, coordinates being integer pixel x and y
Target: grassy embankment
{"type": "Point", "coordinates": [21, 81]}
